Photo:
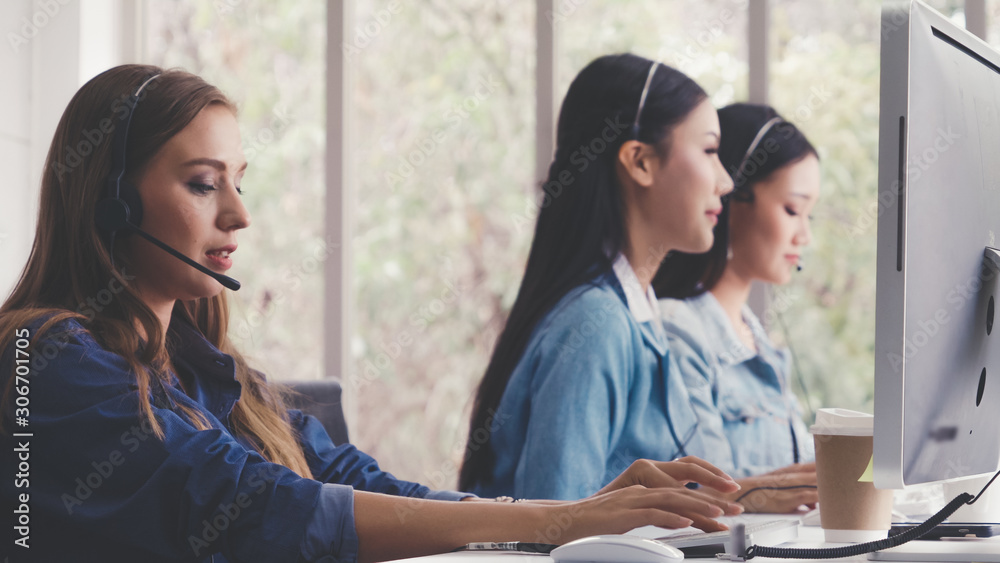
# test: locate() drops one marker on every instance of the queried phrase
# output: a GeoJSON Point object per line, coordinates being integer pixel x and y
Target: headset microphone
{"type": "Point", "coordinates": [121, 210]}
{"type": "Point", "coordinates": [113, 216]}
{"type": "Point", "coordinates": [226, 281]}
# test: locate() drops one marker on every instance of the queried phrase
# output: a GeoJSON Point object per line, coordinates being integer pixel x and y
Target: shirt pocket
{"type": "Point", "coordinates": [757, 429]}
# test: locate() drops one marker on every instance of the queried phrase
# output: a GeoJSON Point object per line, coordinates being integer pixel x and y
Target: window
{"type": "Point", "coordinates": [444, 165]}
{"type": "Point", "coordinates": [444, 153]}
{"type": "Point", "coordinates": [825, 78]}
{"type": "Point", "coordinates": [707, 40]}
{"type": "Point", "coordinates": [269, 58]}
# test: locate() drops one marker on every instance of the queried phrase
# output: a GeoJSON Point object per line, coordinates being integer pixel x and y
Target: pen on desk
{"type": "Point", "coordinates": [523, 547]}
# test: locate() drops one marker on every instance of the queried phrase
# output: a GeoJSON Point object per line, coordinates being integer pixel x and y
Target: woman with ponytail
{"type": "Point", "coordinates": [581, 384]}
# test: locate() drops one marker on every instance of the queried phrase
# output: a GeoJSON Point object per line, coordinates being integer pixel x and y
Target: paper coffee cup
{"type": "Point", "coordinates": [849, 510]}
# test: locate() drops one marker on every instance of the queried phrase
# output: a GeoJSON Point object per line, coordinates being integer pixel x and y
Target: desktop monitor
{"type": "Point", "coordinates": [937, 351]}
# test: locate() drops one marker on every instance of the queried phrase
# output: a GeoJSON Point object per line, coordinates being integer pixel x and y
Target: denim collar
{"type": "Point", "coordinates": [211, 373]}
{"type": "Point", "coordinates": [729, 348]}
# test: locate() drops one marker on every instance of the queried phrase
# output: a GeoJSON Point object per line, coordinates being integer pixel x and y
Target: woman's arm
{"type": "Point", "coordinates": [393, 527]}
{"type": "Point", "coordinates": [576, 387]}
{"type": "Point", "coordinates": [572, 387]}
{"type": "Point", "coordinates": [103, 483]}
{"type": "Point", "coordinates": [347, 465]}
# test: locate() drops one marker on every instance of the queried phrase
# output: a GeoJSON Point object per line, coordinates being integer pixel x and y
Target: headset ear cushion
{"type": "Point", "coordinates": [111, 215]}
{"type": "Point", "coordinates": [130, 195]}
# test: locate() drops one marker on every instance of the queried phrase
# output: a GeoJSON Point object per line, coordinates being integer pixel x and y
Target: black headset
{"type": "Point", "coordinates": [121, 208]}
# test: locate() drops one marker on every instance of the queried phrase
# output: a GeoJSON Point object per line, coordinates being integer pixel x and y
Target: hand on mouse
{"type": "Point", "coordinates": [669, 504]}
{"type": "Point", "coordinates": [622, 510]}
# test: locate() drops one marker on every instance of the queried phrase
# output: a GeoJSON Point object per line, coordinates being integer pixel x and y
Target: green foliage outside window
{"type": "Point", "coordinates": [445, 194]}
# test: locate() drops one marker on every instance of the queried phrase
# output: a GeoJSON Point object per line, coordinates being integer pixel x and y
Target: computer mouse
{"type": "Point", "coordinates": [616, 549]}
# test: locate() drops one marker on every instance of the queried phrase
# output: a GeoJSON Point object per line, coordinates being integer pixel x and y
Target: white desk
{"type": "Point", "coordinates": [809, 537]}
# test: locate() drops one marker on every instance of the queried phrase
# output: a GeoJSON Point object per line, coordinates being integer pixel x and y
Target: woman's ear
{"type": "Point", "coordinates": [637, 161]}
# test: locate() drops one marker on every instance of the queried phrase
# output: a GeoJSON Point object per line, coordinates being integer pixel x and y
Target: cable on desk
{"type": "Point", "coordinates": [862, 548]}
{"type": "Point", "coordinates": [869, 547]}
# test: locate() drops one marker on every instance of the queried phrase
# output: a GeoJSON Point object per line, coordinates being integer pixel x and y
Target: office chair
{"type": "Point", "coordinates": [321, 398]}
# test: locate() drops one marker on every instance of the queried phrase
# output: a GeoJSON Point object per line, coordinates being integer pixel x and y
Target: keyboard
{"type": "Point", "coordinates": [759, 532]}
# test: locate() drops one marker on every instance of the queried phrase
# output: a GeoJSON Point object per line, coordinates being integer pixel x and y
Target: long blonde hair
{"type": "Point", "coordinates": [69, 263]}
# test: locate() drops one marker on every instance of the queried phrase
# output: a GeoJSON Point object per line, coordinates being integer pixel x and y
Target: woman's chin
{"type": "Point", "coordinates": [781, 278]}
{"type": "Point", "coordinates": [698, 246]}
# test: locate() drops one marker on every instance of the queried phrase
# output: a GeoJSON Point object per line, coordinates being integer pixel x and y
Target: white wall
{"type": "Point", "coordinates": [50, 48]}
{"type": "Point", "coordinates": [15, 141]}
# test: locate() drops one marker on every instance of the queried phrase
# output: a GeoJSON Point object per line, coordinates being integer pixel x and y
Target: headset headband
{"type": "Point", "coordinates": [120, 142]}
{"type": "Point", "coordinates": [642, 99]}
{"type": "Point", "coordinates": [756, 141]}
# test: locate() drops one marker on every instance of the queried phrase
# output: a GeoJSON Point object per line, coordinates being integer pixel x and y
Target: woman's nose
{"type": "Point", "coordinates": [233, 214]}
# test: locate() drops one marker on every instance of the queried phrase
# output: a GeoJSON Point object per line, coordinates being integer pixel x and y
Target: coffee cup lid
{"type": "Point", "coordinates": [843, 422]}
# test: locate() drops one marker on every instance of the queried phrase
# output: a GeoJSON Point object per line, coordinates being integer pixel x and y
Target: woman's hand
{"type": "Point", "coordinates": [391, 527]}
{"type": "Point", "coordinates": [698, 506]}
{"type": "Point", "coordinates": [782, 490]}
{"type": "Point", "coordinates": [657, 474]}
{"type": "Point", "coordinates": [622, 510]}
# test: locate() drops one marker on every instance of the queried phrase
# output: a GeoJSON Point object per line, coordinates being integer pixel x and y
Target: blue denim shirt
{"type": "Point", "coordinates": [749, 420]}
{"type": "Point", "coordinates": [594, 390]}
{"type": "Point", "coordinates": [103, 487]}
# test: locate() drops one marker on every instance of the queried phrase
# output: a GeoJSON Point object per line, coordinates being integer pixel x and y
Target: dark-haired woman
{"type": "Point", "coordinates": [750, 422]}
{"type": "Point", "coordinates": [141, 432]}
{"type": "Point", "coordinates": [581, 384]}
